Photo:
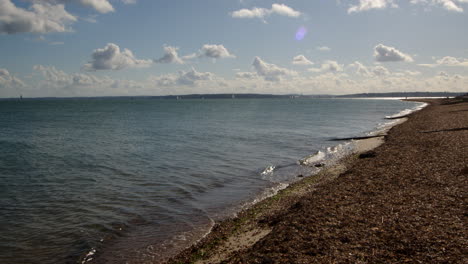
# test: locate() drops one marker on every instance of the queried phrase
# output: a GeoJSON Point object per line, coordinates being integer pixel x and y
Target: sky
{"type": "Point", "coordinates": [66, 48]}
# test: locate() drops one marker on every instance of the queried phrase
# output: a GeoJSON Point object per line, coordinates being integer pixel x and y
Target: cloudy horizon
{"type": "Point", "coordinates": [59, 48]}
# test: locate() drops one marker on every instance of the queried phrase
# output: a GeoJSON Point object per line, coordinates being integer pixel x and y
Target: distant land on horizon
{"type": "Point", "coordinates": [267, 96]}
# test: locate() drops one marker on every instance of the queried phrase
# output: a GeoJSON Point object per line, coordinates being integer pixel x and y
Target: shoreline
{"type": "Point", "coordinates": [259, 223]}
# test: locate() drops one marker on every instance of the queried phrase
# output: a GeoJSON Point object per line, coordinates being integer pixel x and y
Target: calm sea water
{"type": "Point", "coordinates": [133, 180]}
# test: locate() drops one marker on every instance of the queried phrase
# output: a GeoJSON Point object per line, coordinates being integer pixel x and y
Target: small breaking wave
{"type": "Point", "coordinates": [311, 159]}
{"type": "Point", "coordinates": [268, 170]}
{"type": "Point", "coordinates": [408, 111]}
{"type": "Point", "coordinates": [266, 194]}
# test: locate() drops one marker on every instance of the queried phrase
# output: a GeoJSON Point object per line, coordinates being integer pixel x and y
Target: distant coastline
{"type": "Point", "coordinates": [264, 96]}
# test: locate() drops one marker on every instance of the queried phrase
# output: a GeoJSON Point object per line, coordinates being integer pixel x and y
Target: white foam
{"type": "Point", "coordinates": [409, 110]}
{"type": "Point", "coordinates": [309, 160]}
{"type": "Point", "coordinates": [268, 170]}
{"type": "Point", "coordinates": [89, 256]}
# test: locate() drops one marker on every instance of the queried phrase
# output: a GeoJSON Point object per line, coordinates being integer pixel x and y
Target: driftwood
{"type": "Point", "coordinates": [445, 130]}
{"type": "Point", "coordinates": [356, 138]}
{"type": "Point", "coordinates": [397, 117]}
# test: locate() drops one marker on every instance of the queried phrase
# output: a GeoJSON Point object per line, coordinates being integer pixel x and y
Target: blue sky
{"type": "Point", "coordinates": [143, 47]}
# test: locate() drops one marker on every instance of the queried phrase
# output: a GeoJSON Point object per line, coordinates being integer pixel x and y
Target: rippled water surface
{"type": "Point", "coordinates": [124, 180]}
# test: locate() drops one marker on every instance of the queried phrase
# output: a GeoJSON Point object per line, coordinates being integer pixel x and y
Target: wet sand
{"type": "Point", "coordinates": [402, 202]}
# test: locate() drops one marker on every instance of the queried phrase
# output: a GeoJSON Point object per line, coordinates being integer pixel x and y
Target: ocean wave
{"type": "Point", "coordinates": [408, 111]}
{"type": "Point", "coordinates": [311, 159]}
{"type": "Point", "coordinates": [268, 170]}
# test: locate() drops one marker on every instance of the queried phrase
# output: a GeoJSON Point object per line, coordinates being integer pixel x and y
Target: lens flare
{"type": "Point", "coordinates": [301, 32]}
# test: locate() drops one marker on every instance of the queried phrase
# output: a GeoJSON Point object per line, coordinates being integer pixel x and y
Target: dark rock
{"type": "Point", "coordinates": [368, 154]}
{"type": "Point", "coordinates": [300, 175]}
{"type": "Point", "coordinates": [464, 171]}
{"type": "Point", "coordinates": [319, 165]}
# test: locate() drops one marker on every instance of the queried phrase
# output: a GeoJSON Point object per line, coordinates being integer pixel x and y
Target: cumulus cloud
{"type": "Point", "coordinates": [361, 69]}
{"type": "Point", "coordinates": [366, 5]}
{"type": "Point", "coordinates": [301, 60]}
{"type": "Point", "coordinates": [448, 61]}
{"type": "Point", "coordinates": [210, 51]}
{"type": "Point", "coordinates": [170, 56]}
{"type": "Point", "coordinates": [328, 66]}
{"type": "Point", "coordinates": [62, 82]}
{"type": "Point", "coordinates": [112, 58]}
{"type": "Point", "coordinates": [380, 71]}
{"type": "Point", "coordinates": [56, 82]}
{"type": "Point", "coordinates": [384, 53]}
{"type": "Point", "coordinates": [450, 5]}
{"type": "Point", "coordinates": [271, 72]}
{"type": "Point", "coordinates": [101, 6]}
{"type": "Point", "coordinates": [41, 17]}
{"type": "Point", "coordinates": [246, 75]}
{"type": "Point", "coordinates": [323, 48]}
{"type": "Point", "coordinates": [128, 2]}
{"type": "Point", "coordinates": [7, 80]}
{"type": "Point", "coordinates": [256, 12]}
{"type": "Point", "coordinates": [215, 52]}
{"type": "Point", "coordinates": [189, 78]}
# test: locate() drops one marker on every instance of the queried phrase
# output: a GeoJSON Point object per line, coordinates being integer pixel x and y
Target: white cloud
{"type": "Point", "coordinates": [9, 81]}
{"type": "Point", "coordinates": [271, 72]}
{"type": "Point", "coordinates": [323, 48]}
{"type": "Point", "coordinates": [448, 61]}
{"type": "Point", "coordinates": [246, 75]}
{"type": "Point", "coordinates": [284, 10]}
{"type": "Point", "coordinates": [365, 5]}
{"type": "Point", "coordinates": [129, 2]}
{"type": "Point", "coordinates": [111, 58]}
{"type": "Point", "coordinates": [215, 52]}
{"type": "Point", "coordinates": [328, 66]}
{"type": "Point", "coordinates": [412, 73]}
{"type": "Point", "coordinates": [210, 51]}
{"type": "Point", "coordinates": [189, 78]}
{"type": "Point", "coordinates": [384, 53]}
{"type": "Point", "coordinates": [59, 83]}
{"type": "Point", "coordinates": [380, 71]}
{"type": "Point", "coordinates": [451, 61]}
{"type": "Point", "coordinates": [170, 56]}
{"type": "Point", "coordinates": [40, 18]}
{"type": "Point", "coordinates": [256, 12]}
{"type": "Point", "coordinates": [55, 82]}
{"type": "Point", "coordinates": [301, 60]}
{"type": "Point", "coordinates": [364, 71]}
{"type": "Point", "coordinates": [361, 69]}
{"type": "Point", "coordinates": [102, 6]}
{"type": "Point", "coordinates": [450, 5]}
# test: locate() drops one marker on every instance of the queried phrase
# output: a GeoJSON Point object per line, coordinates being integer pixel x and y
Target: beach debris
{"type": "Point", "coordinates": [397, 117]}
{"type": "Point", "coordinates": [357, 138]}
{"type": "Point", "coordinates": [445, 130]}
{"type": "Point", "coordinates": [319, 165]}
{"type": "Point", "coordinates": [368, 154]}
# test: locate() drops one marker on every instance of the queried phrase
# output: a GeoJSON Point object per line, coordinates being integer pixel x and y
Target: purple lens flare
{"type": "Point", "coordinates": [301, 32]}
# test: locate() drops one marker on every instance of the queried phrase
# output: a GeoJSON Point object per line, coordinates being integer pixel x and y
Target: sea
{"type": "Point", "coordinates": [135, 180]}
